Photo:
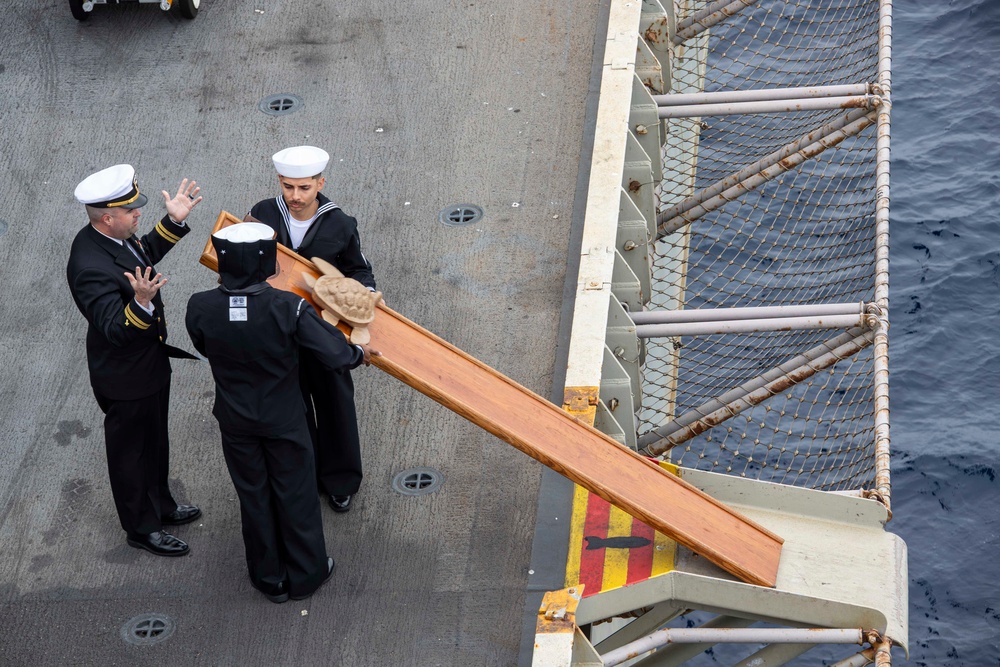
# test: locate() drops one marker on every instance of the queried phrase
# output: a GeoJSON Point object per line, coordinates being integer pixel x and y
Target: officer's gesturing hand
{"type": "Point", "coordinates": [144, 286]}
{"type": "Point", "coordinates": [186, 199]}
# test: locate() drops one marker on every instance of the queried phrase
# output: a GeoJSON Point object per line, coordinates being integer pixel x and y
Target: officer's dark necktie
{"type": "Point", "coordinates": [136, 249]}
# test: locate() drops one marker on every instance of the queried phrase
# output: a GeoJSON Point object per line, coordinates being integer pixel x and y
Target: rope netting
{"type": "Point", "coordinates": [803, 236]}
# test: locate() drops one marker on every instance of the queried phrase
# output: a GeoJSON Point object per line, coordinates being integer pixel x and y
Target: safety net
{"type": "Point", "coordinates": [770, 204]}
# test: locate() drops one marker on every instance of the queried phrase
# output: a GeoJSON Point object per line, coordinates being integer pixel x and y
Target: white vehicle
{"type": "Point", "coordinates": [187, 8]}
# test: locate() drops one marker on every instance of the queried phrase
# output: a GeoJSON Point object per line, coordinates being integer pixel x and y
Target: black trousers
{"type": "Point", "coordinates": [275, 480]}
{"type": "Point", "coordinates": [333, 426]}
{"type": "Point", "coordinates": [138, 451]}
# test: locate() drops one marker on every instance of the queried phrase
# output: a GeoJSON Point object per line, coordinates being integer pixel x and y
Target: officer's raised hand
{"type": "Point", "coordinates": [144, 286]}
{"type": "Point", "coordinates": [186, 199]}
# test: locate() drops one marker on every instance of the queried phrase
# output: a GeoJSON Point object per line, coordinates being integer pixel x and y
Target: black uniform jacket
{"type": "Point", "coordinates": [126, 350]}
{"type": "Point", "coordinates": [251, 338]}
{"type": "Point", "coordinates": [333, 237]}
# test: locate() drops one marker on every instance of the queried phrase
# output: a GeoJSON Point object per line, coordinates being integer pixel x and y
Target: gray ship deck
{"type": "Point", "coordinates": [421, 106]}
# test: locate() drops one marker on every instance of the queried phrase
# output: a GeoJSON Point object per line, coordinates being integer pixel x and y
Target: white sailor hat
{"type": "Point", "coordinates": [114, 187]}
{"type": "Point", "coordinates": [300, 161]}
{"type": "Point", "coordinates": [245, 232]}
{"type": "Point", "coordinates": [247, 252]}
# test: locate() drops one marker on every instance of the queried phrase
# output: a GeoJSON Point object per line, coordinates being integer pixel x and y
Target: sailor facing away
{"type": "Point", "coordinates": [313, 226]}
{"type": "Point", "coordinates": [252, 334]}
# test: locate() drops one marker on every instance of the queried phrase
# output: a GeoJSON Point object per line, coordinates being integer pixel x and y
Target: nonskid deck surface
{"type": "Point", "coordinates": [429, 579]}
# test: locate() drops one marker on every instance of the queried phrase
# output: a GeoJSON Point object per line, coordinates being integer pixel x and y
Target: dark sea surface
{"type": "Point", "coordinates": [944, 332]}
{"type": "Point", "coordinates": [945, 324]}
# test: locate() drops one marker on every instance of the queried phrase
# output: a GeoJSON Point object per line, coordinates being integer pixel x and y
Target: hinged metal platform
{"type": "Point", "coordinates": [839, 569]}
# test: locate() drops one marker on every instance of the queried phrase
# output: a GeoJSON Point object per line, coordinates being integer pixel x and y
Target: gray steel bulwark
{"type": "Point", "coordinates": [399, 94]}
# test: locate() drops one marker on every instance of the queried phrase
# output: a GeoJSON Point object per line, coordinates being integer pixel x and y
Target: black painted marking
{"type": "Point", "coordinates": [630, 542]}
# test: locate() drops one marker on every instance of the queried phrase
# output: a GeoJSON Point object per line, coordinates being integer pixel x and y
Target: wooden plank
{"type": "Point", "coordinates": [573, 449]}
{"type": "Point", "coordinates": [550, 435]}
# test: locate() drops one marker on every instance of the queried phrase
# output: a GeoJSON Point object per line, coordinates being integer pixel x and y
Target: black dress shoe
{"type": "Point", "coordinates": [329, 573]}
{"type": "Point", "coordinates": [159, 543]}
{"type": "Point", "coordinates": [277, 593]}
{"type": "Point", "coordinates": [340, 503]}
{"type": "Point", "coordinates": [183, 514]}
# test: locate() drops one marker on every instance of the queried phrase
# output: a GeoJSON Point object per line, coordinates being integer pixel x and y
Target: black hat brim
{"type": "Point", "coordinates": [139, 202]}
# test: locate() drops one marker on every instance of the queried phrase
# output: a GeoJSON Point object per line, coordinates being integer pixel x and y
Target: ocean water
{"type": "Point", "coordinates": [944, 333]}
{"type": "Point", "coordinates": [945, 324]}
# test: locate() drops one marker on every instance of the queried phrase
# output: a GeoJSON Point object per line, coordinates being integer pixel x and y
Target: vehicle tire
{"type": "Point", "coordinates": [76, 6]}
{"type": "Point", "coordinates": [187, 8]}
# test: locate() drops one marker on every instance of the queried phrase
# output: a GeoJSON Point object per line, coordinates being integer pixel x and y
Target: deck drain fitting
{"type": "Point", "coordinates": [417, 481]}
{"type": "Point", "coordinates": [460, 215]}
{"type": "Point", "coordinates": [279, 105]}
{"type": "Point", "coordinates": [147, 629]}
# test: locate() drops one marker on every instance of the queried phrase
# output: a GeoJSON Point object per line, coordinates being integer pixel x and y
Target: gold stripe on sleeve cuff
{"type": "Point", "coordinates": [162, 231]}
{"type": "Point", "coordinates": [132, 319]}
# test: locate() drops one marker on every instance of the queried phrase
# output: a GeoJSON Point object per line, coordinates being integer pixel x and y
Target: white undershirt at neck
{"type": "Point", "coordinates": [297, 229]}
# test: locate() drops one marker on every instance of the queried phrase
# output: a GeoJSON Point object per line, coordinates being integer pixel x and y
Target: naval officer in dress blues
{"type": "Point", "coordinates": [313, 226]}
{"type": "Point", "coordinates": [115, 285]}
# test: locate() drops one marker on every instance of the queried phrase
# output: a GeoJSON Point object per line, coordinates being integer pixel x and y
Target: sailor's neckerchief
{"type": "Point", "coordinates": [285, 215]}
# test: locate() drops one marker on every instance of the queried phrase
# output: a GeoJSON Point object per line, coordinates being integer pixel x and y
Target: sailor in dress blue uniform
{"type": "Point", "coordinates": [310, 224]}
{"type": "Point", "coordinates": [253, 336]}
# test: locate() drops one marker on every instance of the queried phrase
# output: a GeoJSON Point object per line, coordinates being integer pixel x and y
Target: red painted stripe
{"type": "Point", "coordinates": [640, 561]}
{"type": "Point", "coordinates": [592, 562]}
